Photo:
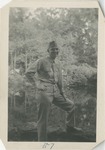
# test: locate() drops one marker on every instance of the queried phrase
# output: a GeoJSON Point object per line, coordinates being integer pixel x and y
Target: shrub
{"type": "Point", "coordinates": [81, 75]}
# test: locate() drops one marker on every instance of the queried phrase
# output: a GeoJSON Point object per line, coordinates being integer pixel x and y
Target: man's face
{"type": "Point", "coordinates": [53, 52]}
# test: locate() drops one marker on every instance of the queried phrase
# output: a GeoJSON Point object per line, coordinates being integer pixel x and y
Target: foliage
{"type": "Point", "coordinates": [81, 75]}
{"type": "Point", "coordinates": [74, 31]}
{"type": "Point", "coordinates": [15, 82]}
{"type": "Point", "coordinates": [30, 31]}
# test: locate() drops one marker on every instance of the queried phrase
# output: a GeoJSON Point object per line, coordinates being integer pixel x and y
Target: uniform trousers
{"type": "Point", "coordinates": [44, 101]}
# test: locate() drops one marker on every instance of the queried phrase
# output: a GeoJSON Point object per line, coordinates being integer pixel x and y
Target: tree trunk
{"type": "Point", "coordinates": [25, 102]}
{"type": "Point", "coordinates": [11, 61]}
{"type": "Point", "coordinates": [15, 60]}
{"type": "Point", "coordinates": [26, 61]}
{"type": "Point", "coordinates": [14, 104]}
{"type": "Point", "coordinates": [11, 101]}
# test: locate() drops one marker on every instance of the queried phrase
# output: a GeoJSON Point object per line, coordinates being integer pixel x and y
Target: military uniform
{"type": "Point", "coordinates": [49, 90]}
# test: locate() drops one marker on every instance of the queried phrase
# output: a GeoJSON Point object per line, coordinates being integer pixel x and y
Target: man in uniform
{"type": "Point", "coordinates": [49, 90]}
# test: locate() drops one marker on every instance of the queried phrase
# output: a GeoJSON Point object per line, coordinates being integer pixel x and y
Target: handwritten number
{"type": "Point", "coordinates": [52, 146]}
{"type": "Point", "coordinates": [48, 145]}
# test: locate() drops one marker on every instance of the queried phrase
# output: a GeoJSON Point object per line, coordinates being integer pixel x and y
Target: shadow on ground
{"type": "Point", "coordinates": [52, 136]}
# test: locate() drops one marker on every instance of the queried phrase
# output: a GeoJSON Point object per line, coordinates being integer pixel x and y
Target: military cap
{"type": "Point", "coordinates": [53, 45]}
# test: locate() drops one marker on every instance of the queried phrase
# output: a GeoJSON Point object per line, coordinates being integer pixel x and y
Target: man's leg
{"type": "Point", "coordinates": [69, 107]}
{"type": "Point", "coordinates": [43, 105]}
{"type": "Point", "coordinates": [66, 105]}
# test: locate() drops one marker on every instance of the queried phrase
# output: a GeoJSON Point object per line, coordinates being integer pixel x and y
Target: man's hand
{"type": "Point", "coordinates": [28, 82]}
{"type": "Point", "coordinates": [29, 79]}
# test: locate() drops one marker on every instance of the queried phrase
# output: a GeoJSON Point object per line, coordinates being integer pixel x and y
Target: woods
{"type": "Point", "coordinates": [30, 31]}
{"type": "Point", "coordinates": [74, 31]}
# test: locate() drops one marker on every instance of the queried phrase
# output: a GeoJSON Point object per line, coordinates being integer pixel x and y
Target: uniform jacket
{"type": "Point", "coordinates": [48, 74]}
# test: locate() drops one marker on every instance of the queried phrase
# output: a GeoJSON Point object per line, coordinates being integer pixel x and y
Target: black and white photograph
{"type": "Point", "coordinates": [52, 74]}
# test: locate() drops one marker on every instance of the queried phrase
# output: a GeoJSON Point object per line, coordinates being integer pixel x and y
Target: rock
{"type": "Point", "coordinates": [29, 126]}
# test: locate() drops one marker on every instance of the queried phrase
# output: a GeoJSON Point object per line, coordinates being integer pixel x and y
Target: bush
{"type": "Point", "coordinates": [81, 75]}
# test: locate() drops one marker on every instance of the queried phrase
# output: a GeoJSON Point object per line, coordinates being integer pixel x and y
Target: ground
{"type": "Point", "coordinates": [53, 135]}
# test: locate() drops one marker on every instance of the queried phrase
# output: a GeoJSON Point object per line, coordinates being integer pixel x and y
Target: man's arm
{"type": "Point", "coordinates": [30, 77]}
{"type": "Point", "coordinates": [31, 72]}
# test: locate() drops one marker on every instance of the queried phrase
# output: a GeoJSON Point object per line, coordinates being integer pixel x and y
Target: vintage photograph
{"type": "Point", "coordinates": [52, 74]}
